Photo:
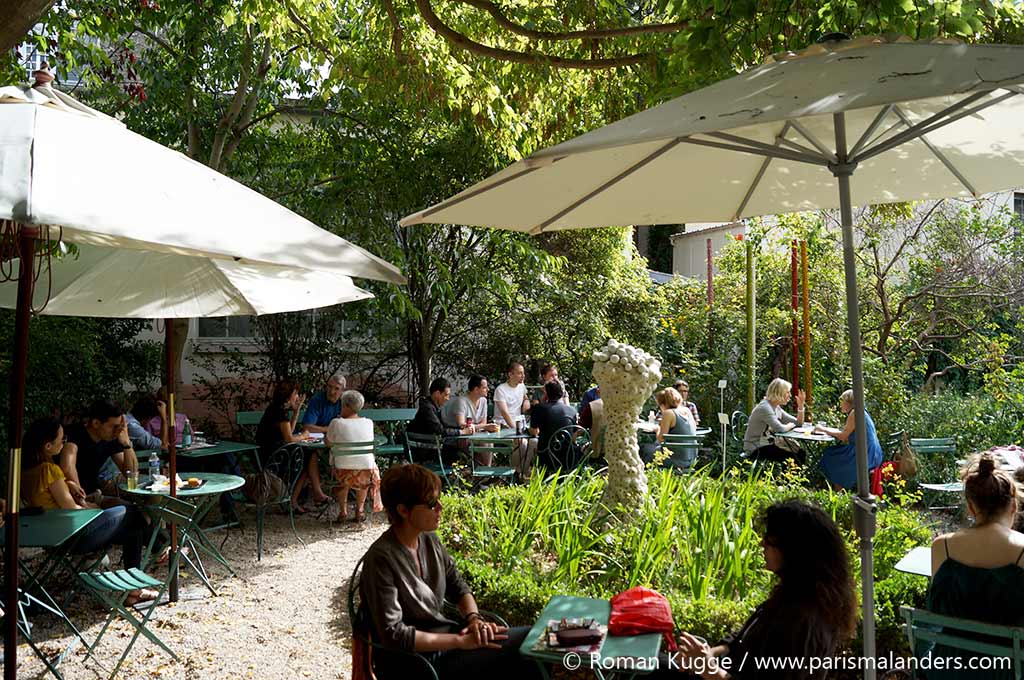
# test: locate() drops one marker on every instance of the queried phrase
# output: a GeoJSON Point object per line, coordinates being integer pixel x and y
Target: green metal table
{"type": "Point", "coordinates": [52, 531]}
{"type": "Point", "coordinates": [502, 434]}
{"type": "Point", "coordinates": [217, 449]}
{"type": "Point", "coordinates": [623, 656]}
{"type": "Point", "coordinates": [192, 533]}
{"type": "Point", "coordinates": [815, 443]}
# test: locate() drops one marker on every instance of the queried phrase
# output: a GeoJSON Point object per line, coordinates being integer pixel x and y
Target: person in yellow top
{"type": "Point", "coordinates": [43, 484]}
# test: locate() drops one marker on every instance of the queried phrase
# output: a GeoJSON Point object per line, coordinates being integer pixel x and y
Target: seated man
{"type": "Point", "coordinates": [510, 403]}
{"type": "Point", "coordinates": [145, 409]}
{"type": "Point", "coordinates": [325, 406]}
{"type": "Point", "coordinates": [428, 419]}
{"type": "Point", "coordinates": [470, 411]}
{"type": "Point", "coordinates": [548, 417]}
{"type": "Point", "coordinates": [548, 373]}
{"type": "Point", "coordinates": [103, 435]}
{"type": "Point", "coordinates": [155, 425]}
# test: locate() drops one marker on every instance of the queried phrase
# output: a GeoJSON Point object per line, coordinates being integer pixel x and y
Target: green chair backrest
{"type": "Point", "coordinates": [248, 417]}
{"type": "Point", "coordinates": [342, 449]}
{"type": "Point", "coordinates": [1002, 642]}
{"type": "Point", "coordinates": [934, 445]}
{"type": "Point", "coordinates": [422, 442]}
{"type": "Point", "coordinates": [738, 425]}
{"type": "Point", "coordinates": [500, 448]}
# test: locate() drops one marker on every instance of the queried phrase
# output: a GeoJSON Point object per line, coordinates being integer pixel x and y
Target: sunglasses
{"type": "Point", "coordinates": [432, 504]}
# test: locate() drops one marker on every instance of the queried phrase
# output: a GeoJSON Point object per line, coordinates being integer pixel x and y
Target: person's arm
{"type": "Point", "coordinates": [668, 421]}
{"type": "Point", "coordinates": [295, 413]}
{"type": "Point", "coordinates": [843, 434]}
{"type": "Point", "coordinates": [60, 492]}
{"type": "Point", "coordinates": [939, 552]}
{"type": "Point", "coordinates": [69, 465]}
{"type": "Point", "coordinates": [288, 432]}
{"type": "Point", "coordinates": [126, 460]}
{"type": "Point", "coordinates": [141, 437]}
{"type": "Point", "coordinates": [502, 408]}
{"type": "Point", "coordinates": [165, 440]}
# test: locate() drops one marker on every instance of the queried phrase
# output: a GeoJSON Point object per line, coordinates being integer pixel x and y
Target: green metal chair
{"type": "Point", "coordinates": [684, 448]}
{"type": "Point", "coordinates": [939, 452]}
{"type": "Point", "coordinates": [286, 465]}
{"type": "Point", "coordinates": [342, 449]}
{"type": "Point", "coordinates": [569, 448]}
{"type": "Point", "coordinates": [738, 426]}
{"type": "Point", "coordinates": [497, 449]}
{"type": "Point", "coordinates": [428, 451]}
{"type": "Point", "coordinates": [390, 420]}
{"type": "Point", "coordinates": [923, 629]}
{"type": "Point", "coordinates": [111, 588]}
{"type": "Point", "coordinates": [362, 628]}
{"type": "Point", "coordinates": [247, 422]}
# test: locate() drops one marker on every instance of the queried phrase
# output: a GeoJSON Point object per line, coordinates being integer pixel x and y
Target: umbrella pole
{"type": "Point", "coordinates": [864, 507]}
{"type": "Point", "coordinates": [172, 435]}
{"type": "Point", "coordinates": [26, 241]}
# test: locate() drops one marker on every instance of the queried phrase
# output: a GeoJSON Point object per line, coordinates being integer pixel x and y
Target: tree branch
{"type": "Point", "coordinates": [591, 34]}
{"type": "Point", "coordinates": [530, 58]}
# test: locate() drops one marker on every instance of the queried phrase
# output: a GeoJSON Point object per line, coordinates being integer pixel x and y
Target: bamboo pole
{"type": "Point", "coordinates": [751, 321]}
{"type": "Point", "coordinates": [711, 296]}
{"type": "Point", "coordinates": [794, 348]}
{"type": "Point", "coordinates": [808, 385]}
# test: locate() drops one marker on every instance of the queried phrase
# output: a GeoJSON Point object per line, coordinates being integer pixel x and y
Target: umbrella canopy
{"type": "Point", "coordinates": [63, 164]}
{"type": "Point", "coordinates": [867, 121]}
{"type": "Point", "coordinates": [145, 285]}
{"type": "Point", "coordinates": [700, 157]}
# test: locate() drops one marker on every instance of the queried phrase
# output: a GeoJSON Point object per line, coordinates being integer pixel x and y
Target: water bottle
{"type": "Point", "coordinates": [186, 435]}
{"type": "Point", "coordinates": [154, 465]}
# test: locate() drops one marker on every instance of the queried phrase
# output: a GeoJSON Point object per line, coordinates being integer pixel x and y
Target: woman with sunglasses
{"type": "Point", "coordinates": [810, 612]}
{"type": "Point", "coordinates": [406, 576]}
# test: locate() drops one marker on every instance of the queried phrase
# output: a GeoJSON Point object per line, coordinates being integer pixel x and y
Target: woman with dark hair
{"type": "Point", "coordinates": [809, 613]}
{"type": "Point", "coordinates": [406, 576]}
{"type": "Point", "coordinates": [43, 484]}
{"type": "Point", "coordinates": [277, 428]}
{"type": "Point", "coordinates": [977, 572]}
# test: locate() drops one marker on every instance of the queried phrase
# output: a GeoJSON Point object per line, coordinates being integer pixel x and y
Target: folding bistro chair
{"type": "Point", "coordinates": [111, 588]}
{"type": "Point", "coordinates": [980, 639]}
{"type": "Point", "coordinates": [428, 451]}
{"type": "Point", "coordinates": [497, 449]}
{"type": "Point", "coordinates": [940, 453]}
{"type": "Point", "coordinates": [683, 448]}
{"type": "Point", "coordinates": [339, 450]}
{"type": "Point", "coordinates": [273, 485]}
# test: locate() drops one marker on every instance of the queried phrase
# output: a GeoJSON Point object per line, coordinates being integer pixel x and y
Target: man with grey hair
{"type": "Point", "coordinates": [324, 406]}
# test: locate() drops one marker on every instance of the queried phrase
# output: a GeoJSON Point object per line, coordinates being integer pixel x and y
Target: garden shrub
{"type": "Point", "coordinates": [697, 542]}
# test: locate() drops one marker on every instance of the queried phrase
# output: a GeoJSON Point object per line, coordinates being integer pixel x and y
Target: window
{"type": "Point", "coordinates": [1018, 204]}
{"type": "Point", "coordinates": [226, 327]}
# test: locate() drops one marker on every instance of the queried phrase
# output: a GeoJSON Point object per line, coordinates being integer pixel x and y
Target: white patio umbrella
{"type": "Point", "coordinates": [843, 123]}
{"type": "Point", "coordinates": [136, 284]}
{"type": "Point", "coordinates": [158, 234]}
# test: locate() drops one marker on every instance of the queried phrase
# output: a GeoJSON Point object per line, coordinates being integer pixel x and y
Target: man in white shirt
{"type": "Point", "coordinates": [470, 410]}
{"type": "Point", "coordinates": [510, 403]}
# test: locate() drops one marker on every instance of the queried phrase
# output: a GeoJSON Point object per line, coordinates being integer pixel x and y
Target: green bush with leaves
{"type": "Point", "coordinates": [697, 542]}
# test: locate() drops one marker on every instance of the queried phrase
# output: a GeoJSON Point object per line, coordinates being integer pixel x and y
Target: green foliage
{"type": "Point", "coordinates": [696, 542]}
{"type": "Point", "coordinates": [72, 361]}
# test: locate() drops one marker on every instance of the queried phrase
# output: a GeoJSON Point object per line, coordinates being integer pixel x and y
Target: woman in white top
{"type": "Point", "coordinates": [353, 470]}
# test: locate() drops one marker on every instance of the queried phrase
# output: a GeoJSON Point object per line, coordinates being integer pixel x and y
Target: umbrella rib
{"type": "Point", "coordinates": [455, 200]}
{"type": "Point", "coordinates": [769, 151]}
{"type": "Point", "coordinates": [938, 154]}
{"type": "Point", "coordinates": [871, 129]}
{"type": "Point", "coordinates": [780, 138]}
{"type": "Point", "coordinates": [809, 157]}
{"type": "Point", "coordinates": [806, 134]}
{"type": "Point", "coordinates": [933, 123]}
{"type": "Point", "coordinates": [614, 180]}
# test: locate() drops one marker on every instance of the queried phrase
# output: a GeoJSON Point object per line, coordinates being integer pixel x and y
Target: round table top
{"type": "Point", "coordinates": [216, 483]}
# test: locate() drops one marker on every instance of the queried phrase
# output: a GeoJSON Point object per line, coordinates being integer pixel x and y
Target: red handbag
{"type": "Point", "coordinates": [641, 610]}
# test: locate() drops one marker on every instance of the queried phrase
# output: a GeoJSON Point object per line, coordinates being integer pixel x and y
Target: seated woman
{"type": "Point", "coordinates": [277, 428]}
{"type": "Point", "coordinates": [43, 484]}
{"type": "Point", "coordinates": [977, 572]}
{"type": "Point", "coordinates": [407, 574]}
{"type": "Point", "coordinates": [353, 470]}
{"type": "Point", "coordinates": [675, 419]}
{"type": "Point", "coordinates": [769, 418]}
{"type": "Point", "coordinates": [810, 612]}
{"type": "Point", "coordinates": [839, 461]}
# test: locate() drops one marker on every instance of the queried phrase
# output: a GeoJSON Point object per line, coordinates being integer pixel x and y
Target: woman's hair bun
{"type": "Point", "coordinates": [986, 464]}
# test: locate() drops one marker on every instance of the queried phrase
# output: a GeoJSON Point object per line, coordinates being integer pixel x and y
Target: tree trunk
{"type": "Point", "coordinates": [17, 17]}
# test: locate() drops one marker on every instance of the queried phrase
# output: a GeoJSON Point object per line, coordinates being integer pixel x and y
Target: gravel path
{"type": "Point", "coordinates": [284, 617]}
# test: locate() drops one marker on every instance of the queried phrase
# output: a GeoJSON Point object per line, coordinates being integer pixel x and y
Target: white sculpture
{"type": "Point", "coordinates": [626, 376]}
